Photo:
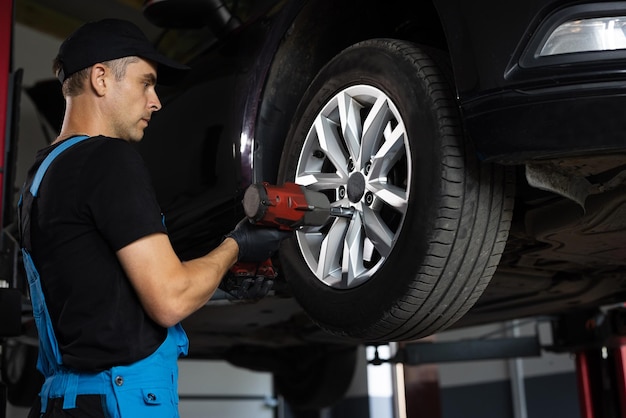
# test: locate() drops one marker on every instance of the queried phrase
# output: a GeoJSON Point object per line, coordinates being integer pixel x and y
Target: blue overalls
{"type": "Point", "coordinates": [146, 388]}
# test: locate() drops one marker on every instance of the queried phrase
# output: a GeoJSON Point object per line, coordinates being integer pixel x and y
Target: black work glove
{"type": "Point", "coordinates": [247, 288]}
{"type": "Point", "coordinates": [256, 243]}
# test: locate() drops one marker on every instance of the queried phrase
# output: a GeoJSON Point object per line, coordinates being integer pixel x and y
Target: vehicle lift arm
{"type": "Point", "coordinates": [597, 339]}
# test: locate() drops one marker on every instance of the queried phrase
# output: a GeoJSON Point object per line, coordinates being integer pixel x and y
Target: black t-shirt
{"type": "Point", "coordinates": [95, 198]}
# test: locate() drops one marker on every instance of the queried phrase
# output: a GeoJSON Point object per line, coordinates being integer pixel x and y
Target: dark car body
{"type": "Point", "coordinates": [225, 127]}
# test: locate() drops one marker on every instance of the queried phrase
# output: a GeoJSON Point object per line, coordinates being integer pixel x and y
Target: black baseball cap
{"type": "Point", "coordinates": [110, 39]}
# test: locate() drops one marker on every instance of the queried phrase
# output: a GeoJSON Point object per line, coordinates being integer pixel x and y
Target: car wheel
{"type": "Point", "coordinates": [379, 130]}
{"type": "Point", "coordinates": [20, 374]}
{"type": "Point", "coordinates": [308, 377]}
{"type": "Point", "coordinates": [318, 379]}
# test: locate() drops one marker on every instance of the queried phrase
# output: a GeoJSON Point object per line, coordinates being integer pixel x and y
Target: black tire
{"type": "Point", "coordinates": [430, 255]}
{"type": "Point", "coordinates": [20, 374]}
{"type": "Point", "coordinates": [318, 379]}
{"type": "Point", "coordinates": [308, 377]}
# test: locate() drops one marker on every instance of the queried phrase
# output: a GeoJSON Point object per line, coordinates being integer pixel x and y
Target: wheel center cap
{"type": "Point", "coordinates": [356, 187]}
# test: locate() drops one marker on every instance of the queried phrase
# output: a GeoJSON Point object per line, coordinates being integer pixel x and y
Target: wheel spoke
{"type": "Point", "coordinates": [320, 181]}
{"type": "Point", "coordinates": [368, 249]}
{"type": "Point", "coordinates": [327, 136]}
{"type": "Point", "coordinates": [391, 195]}
{"type": "Point", "coordinates": [373, 128]}
{"type": "Point", "coordinates": [350, 117]}
{"type": "Point", "coordinates": [377, 232]}
{"type": "Point", "coordinates": [390, 152]}
{"type": "Point", "coordinates": [387, 156]}
{"type": "Point", "coordinates": [331, 250]}
{"type": "Point", "coordinates": [352, 265]}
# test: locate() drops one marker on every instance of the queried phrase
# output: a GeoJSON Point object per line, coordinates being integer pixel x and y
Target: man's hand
{"type": "Point", "coordinates": [256, 243]}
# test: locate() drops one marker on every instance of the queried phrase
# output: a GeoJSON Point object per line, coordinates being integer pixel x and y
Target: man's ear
{"type": "Point", "coordinates": [98, 78]}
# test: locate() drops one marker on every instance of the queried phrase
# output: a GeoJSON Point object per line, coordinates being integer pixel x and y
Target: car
{"type": "Point", "coordinates": [481, 144]}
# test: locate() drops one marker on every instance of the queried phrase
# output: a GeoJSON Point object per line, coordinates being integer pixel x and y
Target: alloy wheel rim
{"type": "Point", "coordinates": [357, 153]}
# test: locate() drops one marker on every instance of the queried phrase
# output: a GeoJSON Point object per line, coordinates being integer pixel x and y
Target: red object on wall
{"type": "Point", "coordinates": [6, 47]}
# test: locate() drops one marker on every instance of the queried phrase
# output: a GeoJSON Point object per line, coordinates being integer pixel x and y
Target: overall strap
{"type": "Point", "coordinates": [49, 360]}
{"type": "Point", "coordinates": [34, 188]}
{"type": "Point", "coordinates": [27, 195]}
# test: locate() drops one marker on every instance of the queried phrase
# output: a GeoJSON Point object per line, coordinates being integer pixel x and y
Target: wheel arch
{"type": "Point", "coordinates": [320, 30]}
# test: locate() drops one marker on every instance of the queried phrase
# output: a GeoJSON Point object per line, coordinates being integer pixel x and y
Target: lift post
{"type": "Point", "coordinates": [6, 43]}
{"type": "Point", "coordinates": [598, 341]}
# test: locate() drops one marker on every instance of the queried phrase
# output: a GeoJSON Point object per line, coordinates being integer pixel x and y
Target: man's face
{"type": "Point", "coordinates": [133, 99]}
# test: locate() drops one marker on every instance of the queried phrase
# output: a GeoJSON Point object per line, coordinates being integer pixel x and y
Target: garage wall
{"type": "Point", "coordinates": [482, 389]}
{"type": "Point", "coordinates": [33, 52]}
{"type": "Point", "coordinates": [216, 389]}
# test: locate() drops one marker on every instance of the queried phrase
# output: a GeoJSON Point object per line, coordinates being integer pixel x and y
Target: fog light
{"type": "Point", "coordinates": [586, 35]}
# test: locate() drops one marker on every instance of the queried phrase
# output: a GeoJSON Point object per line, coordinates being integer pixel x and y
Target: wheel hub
{"type": "Point", "coordinates": [356, 187]}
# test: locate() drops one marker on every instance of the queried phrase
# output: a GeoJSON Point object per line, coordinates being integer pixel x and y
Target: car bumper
{"type": "Point", "coordinates": [520, 125]}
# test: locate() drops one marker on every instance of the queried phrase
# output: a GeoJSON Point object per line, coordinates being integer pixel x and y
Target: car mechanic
{"type": "Point", "coordinates": [107, 288]}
